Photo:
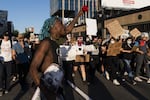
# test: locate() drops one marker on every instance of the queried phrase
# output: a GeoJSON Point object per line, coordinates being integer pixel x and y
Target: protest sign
{"type": "Point", "coordinates": [82, 58]}
{"type": "Point", "coordinates": [114, 49]}
{"type": "Point", "coordinates": [91, 27]}
{"type": "Point", "coordinates": [115, 29]}
{"type": "Point", "coordinates": [135, 32]}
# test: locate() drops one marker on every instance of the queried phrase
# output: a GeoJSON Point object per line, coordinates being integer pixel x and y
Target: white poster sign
{"type": "Point", "coordinates": [91, 27]}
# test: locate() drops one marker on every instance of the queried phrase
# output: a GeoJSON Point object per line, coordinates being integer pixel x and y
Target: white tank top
{"type": "Point", "coordinates": [6, 50]}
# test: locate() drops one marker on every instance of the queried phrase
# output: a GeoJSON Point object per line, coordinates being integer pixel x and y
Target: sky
{"type": "Point", "coordinates": [26, 13]}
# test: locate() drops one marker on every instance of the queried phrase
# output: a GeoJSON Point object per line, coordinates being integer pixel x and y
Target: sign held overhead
{"type": "Point", "coordinates": [91, 27]}
{"type": "Point", "coordinates": [115, 29]}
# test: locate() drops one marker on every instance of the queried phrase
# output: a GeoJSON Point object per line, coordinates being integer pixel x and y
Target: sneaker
{"type": "Point", "coordinates": [107, 75]}
{"type": "Point", "coordinates": [148, 62]}
{"type": "Point", "coordinates": [123, 79]}
{"type": "Point", "coordinates": [116, 82]}
{"type": "Point", "coordinates": [133, 82]}
{"type": "Point", "coordinates": [148, 81]}
{"type": "Point", "coordinates": [6, 91]}
{"type": "Point", "coordinates": [84, 82]}
{"type": "Point", "coordinates": [14, 78]}
{"type": "Point", "coordinates": [125, 73]}
{"type": "Point", "coordinates": [138, 79]}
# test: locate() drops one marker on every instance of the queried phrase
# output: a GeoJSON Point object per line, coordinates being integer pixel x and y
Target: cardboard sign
{"type": "Point", "coordinates": [135, 32]}
{"type": "Point", "coordinates": [115, 29]}
{"type": "Point", "coordinates": [114, 49]}
{"type": "Point", "coordinates": [83, 58]}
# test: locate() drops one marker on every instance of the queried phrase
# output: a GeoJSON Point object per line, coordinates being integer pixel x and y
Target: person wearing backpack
{"type": "Point", "coordinates": [6, 64]}
{"type": "Point", "coordinates": [21, 59]}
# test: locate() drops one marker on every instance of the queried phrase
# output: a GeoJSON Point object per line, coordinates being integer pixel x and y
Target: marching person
{"type": "Point", "coordinates": [141, 57]}
{"type": "Point", "coordinates": [94, 60]}
{"type": "Point", "coordinates": [46, 59]}
{"type": "Point", "coordinates": [20, 56]}
{"type": "Point", "coordinates": [80, 58]}
{"type": "Point", "coordinates": [127, 56]}
{"type": "Point", "coordinates": [6, 64]}
{"type": "Point", "coordinates": [113, 59]}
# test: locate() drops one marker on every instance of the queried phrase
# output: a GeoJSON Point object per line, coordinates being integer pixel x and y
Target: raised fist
{"type": "Point", "coordinates": [85, 8]}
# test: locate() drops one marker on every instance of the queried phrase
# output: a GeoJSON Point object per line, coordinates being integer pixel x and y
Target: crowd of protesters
{"type": "Point", "coordinates": [128, 64]}
{"type": "Point", "coordinates": [15, 58]}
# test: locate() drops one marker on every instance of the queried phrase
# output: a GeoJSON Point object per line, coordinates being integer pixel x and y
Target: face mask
{"type": "Point", "coordinates": [129, 42]}
{"type": "Point", "coordinates": [112, 41]}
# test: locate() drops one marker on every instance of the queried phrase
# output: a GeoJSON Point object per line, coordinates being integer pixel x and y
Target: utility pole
{"type": "Point", "coordinates": [101, 15]}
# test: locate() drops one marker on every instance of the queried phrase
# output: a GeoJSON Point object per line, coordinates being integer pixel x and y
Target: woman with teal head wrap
{"type": "Point", "coordinates": [47, 53]}
{"type": "Point", "coordinates": [48, 24]}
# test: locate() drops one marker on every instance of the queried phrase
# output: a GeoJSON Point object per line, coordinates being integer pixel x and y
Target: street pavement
{"type": "Point", "coordinates": [101, 89]}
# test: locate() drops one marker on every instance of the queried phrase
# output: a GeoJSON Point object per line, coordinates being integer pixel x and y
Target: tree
{"type": "Point", "coordinates": [15, 33]}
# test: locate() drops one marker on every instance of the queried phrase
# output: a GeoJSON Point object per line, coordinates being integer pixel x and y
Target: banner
{"type": "Point", "coordinates": [125, 4]}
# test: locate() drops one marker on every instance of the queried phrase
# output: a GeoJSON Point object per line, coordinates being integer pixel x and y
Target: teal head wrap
{"type": "Point", "coordinates": [48, 24]}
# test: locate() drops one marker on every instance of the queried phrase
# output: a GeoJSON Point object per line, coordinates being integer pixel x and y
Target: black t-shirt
{"type": "Point", "coordinates": [125, 55]}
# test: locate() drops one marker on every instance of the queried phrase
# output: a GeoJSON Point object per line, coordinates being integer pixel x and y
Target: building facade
{"type": "Point", "coordinates": [139, 19]}
{"type": "Point", "coordinates": [128, 18]}
{"type": "Point", "coordinates": [3, 21]}
{"type": "Point", "coordinates": [69, 8]}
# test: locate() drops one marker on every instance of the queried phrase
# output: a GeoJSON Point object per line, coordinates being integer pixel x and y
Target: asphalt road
{"type": "Point", "coordinates": [101, 89]}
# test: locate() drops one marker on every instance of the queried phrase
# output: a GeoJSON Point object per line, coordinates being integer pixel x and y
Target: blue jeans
{"type": "Point", "coordinates": [128, 67]}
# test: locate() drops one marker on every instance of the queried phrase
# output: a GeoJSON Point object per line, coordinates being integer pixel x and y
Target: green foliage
{"type": "Point", "coordinates": [15, 33]}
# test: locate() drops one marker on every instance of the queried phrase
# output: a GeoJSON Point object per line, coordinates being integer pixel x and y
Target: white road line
{"type": "Point", "coordinates": [79, 91]}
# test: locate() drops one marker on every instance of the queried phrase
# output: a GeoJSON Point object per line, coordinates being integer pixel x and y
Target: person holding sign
{"type": "Point", "coordinates": [80, 58]}
{"type": "Point", "coordinates": [114, 48]}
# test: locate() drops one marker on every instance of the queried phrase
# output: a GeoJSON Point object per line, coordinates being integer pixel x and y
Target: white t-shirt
{"type": "Point", "coordinates": [6, 50]}
{"type": "Point", "coordinates": [80, 49]}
